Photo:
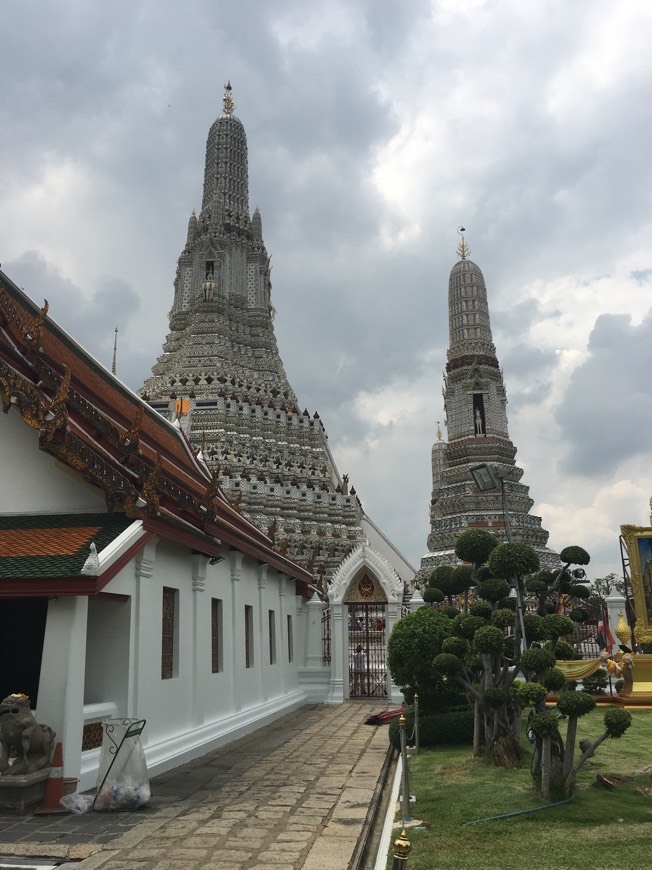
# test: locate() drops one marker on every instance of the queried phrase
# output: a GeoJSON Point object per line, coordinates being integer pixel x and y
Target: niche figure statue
{"type": "Point", "coordinates": [20, 731]}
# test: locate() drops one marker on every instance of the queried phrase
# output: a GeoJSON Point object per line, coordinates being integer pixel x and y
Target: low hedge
{"type": "Point", "coordinates": [454, 727]}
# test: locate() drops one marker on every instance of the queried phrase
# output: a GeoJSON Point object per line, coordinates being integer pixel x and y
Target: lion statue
{"type": "Point", "coordinates": [20, 732]}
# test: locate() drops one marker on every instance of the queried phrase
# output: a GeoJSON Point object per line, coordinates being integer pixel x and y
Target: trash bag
{"type": "Point", "coordinates": [77, 803]}
{"type": "Point", "coordinates": [122, 780]}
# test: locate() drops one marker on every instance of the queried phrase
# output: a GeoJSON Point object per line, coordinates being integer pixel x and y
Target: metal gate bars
{"type": "Point", "coordinates": [367, 651]}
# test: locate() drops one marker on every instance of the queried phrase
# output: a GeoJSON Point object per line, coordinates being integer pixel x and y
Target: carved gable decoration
{"type": "Point", "coordinates": [365, 589]}
{"type": "Point", "coordinates": [348, 580]}
{"type": "Point", "coordinates": [476, 380]}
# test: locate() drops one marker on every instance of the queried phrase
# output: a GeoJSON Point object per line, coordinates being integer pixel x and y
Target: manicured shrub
{"type": "Point", "coordinates": [617, 722]}
{"type": "Point", "coordinates": [564, 652]}
{"type": "Point", "coordinates": [515, 559]}
{"type": "Point", "coordinates": [503, 618]}
{"type": "Point", "coordinates": [544, 724]}
{"type": "Point", "coordinates": [489, 639]}
{"type": "Point", "coordinates": [537, 660]}
{"type": "Point", "coordinates": [578, 590]}
{"type": "Point", "coordinates": [466, 626]}
{"type": "Point", "coordinates": [493, 590]}
{"type": "Point", "coordinates": [457, 646]}
{"type": "Point", "coordinates": [432, 595]}
{"type": "Point", "coordinates": [577, 614]}
{"type": "Point", "coordinates": [556, 625]}
{"type": "Point", "coordinates": [447, 665]}
{"type": "Point", "coordinates": [481, 609]}
{"type": "Point", "coordinates": [575, 556]}
{"type": "Point", "coordinates": [553, 679]}
{"type": "Point", "coordinates": [453, 728]}
{"type": "Point", "coordinates": [475, 545]}
{"type": "Point", "coordinates": [575, 703]}
{"type": "Point", "coordinates": [533, 625]}
{"type": "Point", "coordinates": [530, 694]}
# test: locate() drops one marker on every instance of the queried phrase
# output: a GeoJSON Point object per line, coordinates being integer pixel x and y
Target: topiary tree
{"type": "Point", "coordinates": [433, 595]}
{"type": "Point", "coordinates": [474, 546]}
{"type": "Point", "coordinates": [414, 642]}
{"type": "Point", "coordinates": [485, 650]}
{"type": "Point", "coordinates": [573, 705]}
{"type": "Point", "coordinates": [616, 722]}
{"type": "Point", "coordinates": [448, 581]}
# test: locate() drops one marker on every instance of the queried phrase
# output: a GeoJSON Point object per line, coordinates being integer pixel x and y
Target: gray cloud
{"type": "Point", "coordinates": [521, 121]}
{"type": "Point", "coordinates": [606, 414]}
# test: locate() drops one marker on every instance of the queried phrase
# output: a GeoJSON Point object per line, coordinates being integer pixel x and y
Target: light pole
{"type": "Point", "coordinates": [489, 478]}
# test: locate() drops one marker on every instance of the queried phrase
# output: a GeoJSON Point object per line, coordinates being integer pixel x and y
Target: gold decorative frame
{"type": "Point", "coordinates": [638, 540]}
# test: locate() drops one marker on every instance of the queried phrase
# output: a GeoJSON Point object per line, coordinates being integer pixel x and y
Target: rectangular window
{"type": "Point", "coordinates": [216, 636]}
{"type": "Point", "coordinates": [249, 636]}
{"type": "Point", "coordinates": [169, 633]}
{"type": "Point", "coordinates": [272, 637]}
{"type": "Point", "coordinates": [290, 641]}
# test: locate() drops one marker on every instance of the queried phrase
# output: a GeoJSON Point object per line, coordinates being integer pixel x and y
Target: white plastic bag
{"type": "Point", "coordinates": [77, 803]}
{"type": "Point", "coordinates": [122, 780]}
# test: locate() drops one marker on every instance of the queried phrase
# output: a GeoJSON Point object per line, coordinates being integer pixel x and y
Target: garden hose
{"type": "Point", "coordinates": [519, 812]}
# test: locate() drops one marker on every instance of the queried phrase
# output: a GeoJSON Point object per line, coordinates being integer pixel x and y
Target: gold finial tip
{"type": "Point", "coordinates": [228, 105]}
{"type": "Point", "coordinates": [463, 249]}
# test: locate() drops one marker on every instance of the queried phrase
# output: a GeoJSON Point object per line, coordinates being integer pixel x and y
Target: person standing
{"type": "Point", "coordinates": [359, 670]}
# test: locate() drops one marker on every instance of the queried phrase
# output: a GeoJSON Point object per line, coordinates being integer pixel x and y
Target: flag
{"type": "Point", "coordinates": [605, 638]}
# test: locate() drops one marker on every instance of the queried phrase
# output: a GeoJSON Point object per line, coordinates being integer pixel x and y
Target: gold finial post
{"type": "Point", "coordinates": [463, 249]}
{"type": "Point", "coordinates": [228, 105]}
{"type": "Point", "coordinates": [115, 351]}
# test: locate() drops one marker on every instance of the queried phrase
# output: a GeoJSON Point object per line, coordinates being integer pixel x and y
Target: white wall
{"type": "Point", "coordinates": [195, 710]}
{"type": "Point", "coordinates": [50, 487]}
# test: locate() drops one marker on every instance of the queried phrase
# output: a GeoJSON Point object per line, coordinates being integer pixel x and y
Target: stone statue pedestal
{"type": "Point", "coordinates": [640, 691]}
{"type": "Point", "coordinates": [19, 794]}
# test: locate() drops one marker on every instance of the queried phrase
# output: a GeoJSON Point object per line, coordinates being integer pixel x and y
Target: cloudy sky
{"type": "Point", "coordinates": [375, 129]}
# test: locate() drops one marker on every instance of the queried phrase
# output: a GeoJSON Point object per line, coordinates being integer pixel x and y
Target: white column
{"type": "Point", "coordinates": [314, 640]}
{"type": "Point", "coordinates": [283, 634]}
{"type": "Point", "coordinates": [416, 602]}
{"type": "Point", "coordinates": [200, 651]}
{"type": "Point", "coordinates": [61, 685]}
{"type": "Point", "coordinates": [339, 649]}
{"type": "Point", "coordinates": [394, 694]}
{"type": "Point", "coordinates": [615, 606]}
{"type": "Point", "coordinates": [263, 658]}
{"type": "Point", "coordinates": [141, 620]}
{"type": "Point", "coordinates": [237, 636]}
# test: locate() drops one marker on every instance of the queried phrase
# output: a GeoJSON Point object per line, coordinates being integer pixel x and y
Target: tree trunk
{"type": "Point", "coordinates": [588, 752]}
{"type": "Point", "coordinates": [507, 752]}
{"type": "Point", "coordinates": [569, 750]}
{"type": "Point", "coordinates": [477, 729]}
{"type": "Point", "coordinates": [545, 768]}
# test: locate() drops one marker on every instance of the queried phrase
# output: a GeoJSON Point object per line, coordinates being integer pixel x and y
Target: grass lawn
{"type": "Point", "coordinates": [598, 830]}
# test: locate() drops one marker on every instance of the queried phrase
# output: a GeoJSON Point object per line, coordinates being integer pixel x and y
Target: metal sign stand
{"type": "Point", "coordinates": [134, 729]}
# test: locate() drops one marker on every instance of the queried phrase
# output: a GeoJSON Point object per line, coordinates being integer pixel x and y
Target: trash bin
{"type": "Point", "coordinates": [122, 780]}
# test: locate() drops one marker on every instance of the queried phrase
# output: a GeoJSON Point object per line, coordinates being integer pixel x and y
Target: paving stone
{"type": "Point", "coordinates": [289, 796]}
{"type": "Point", "coordinates": [275, 858]}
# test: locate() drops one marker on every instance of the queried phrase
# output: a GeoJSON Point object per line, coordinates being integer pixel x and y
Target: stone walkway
{"type": "Point", "coordinates": [294, 795]}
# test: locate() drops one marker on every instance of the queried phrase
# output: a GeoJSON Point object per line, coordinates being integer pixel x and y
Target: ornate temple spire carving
{"type": "Point", "coordinates": [228, 106]}
{"type": "Point", "coordinates": [475, 401]}
{"type": "Point", "coordinates": [221, 363]}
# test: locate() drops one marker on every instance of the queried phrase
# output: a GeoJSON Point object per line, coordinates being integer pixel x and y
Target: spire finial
{"type": "Point", "coordinates": [463, 249]}
{"type": "Point", "coordinates": [439, 436]}
{"type": "Point", "coordinates": [227, 103]}
{"type": "Point", "coordinates": [115, 351]}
